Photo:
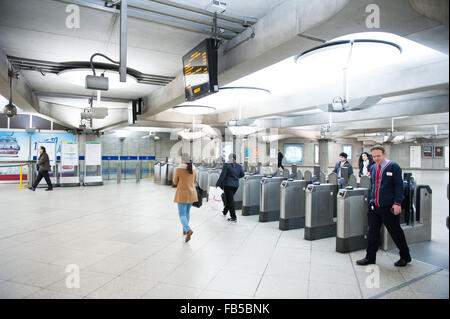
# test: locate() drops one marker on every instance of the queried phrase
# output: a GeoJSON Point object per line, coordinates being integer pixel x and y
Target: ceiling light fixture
{"type": "Point", "coordinates": [354, 53]}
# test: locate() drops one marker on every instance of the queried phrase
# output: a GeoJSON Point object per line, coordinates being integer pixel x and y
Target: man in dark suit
{"type": "Point", "coordinates": [343, 163]}
{"type": "Point", "coordinates": [385, 207]}
{"type": "Point", "coordinates": [43, 168]}
{"type": "Point", "coordinates": [280, 159]}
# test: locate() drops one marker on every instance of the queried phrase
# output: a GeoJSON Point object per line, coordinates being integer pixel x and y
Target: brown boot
{"type": "Point", "coordinates": [188, 235]}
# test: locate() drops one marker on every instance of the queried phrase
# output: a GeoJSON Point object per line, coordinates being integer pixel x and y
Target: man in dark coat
{"type": "Point", "coordinates": [43, 166]}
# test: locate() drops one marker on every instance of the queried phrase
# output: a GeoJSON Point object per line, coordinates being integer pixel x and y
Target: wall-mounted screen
{"type": "Point", "coordinates": [200, 70]}
{"type": "Point", "coordinates": [347, 148]}
{"type": "Point", "coordinates": [293, 153]}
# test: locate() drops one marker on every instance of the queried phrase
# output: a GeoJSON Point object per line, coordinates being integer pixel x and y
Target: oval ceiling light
{"type": "Point", "coordinates": [192, 109]}
{"type": "Point", "coordinates": [78, 77]}
{"type": "Point", "coordinates": [358, 53]}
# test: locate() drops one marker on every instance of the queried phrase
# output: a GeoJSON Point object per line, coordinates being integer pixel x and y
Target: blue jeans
{"type": "Point", "coordinates": [184, 213]}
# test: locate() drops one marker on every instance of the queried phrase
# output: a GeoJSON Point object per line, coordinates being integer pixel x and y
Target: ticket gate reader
{"type": "Point", "coordinates": [352, 227]}
{"type": "Point", "coordinates": [292, 204]}
{"type": "Point", "coordinates": [157, 173]}
{"type": "Point", "coordinates": [251, 194]}
{"type": "Point", "coordinates": [320, 211]}
{"type": "Point", "coordinates": [269, 208]}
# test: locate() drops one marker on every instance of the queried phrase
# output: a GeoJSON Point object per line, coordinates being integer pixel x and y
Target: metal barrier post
{"type": "Point", "coordinates": [119, 172]}
{"type": "Point", "coordinates": [138, 172]}
{"type": "Point", "coordinates": [20, 185]}
{"type": "Point", "coordinates": [149, 169]}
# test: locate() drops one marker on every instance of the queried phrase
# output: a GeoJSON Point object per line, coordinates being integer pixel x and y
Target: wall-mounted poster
{"type": "Point", "coordinates": [347, 148]}
{"type": "Point", "coordinates": [293, 153]}
{"type": "Point", "coordinates": [427, 151]}
{"type": "Point", "coordinates": [316, 153]}
{"type": "Point", "coordinates": [415, 160]}
{"type": "Point", "coordinates": [57, 138]}
{"type": "Point", "coordinates": [14, 146]}
{"type": "Point", "coordinates": [438, 151]}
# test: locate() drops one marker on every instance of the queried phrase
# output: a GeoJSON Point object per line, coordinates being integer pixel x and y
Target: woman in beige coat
{"type": "Point", "coordinates": [186, 193]}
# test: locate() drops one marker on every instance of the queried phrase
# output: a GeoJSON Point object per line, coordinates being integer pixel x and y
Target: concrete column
{"type": "Point", "coordinates": [323, 156]}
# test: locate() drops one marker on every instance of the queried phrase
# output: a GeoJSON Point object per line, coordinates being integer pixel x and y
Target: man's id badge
{"type": "Point", "coordinates": [389, 173]}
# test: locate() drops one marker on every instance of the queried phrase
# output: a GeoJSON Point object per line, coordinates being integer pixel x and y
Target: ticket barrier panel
{"type": "Point", "coordinates": [164, 173]}
{"type": "Point", "coordinates": [157, 173]}
{"type": "Point", "coordinates": [419, 229]}
{"type": "Point", "coordinates": [251, 194]}
{"type": "Point", "coordinates": [292, 204]}
{"type": "Point", "coordinates": [320, 209]}
{"type": "Point", "coordinates": [352, 227]}
{"type": "Point", "coordinates": [269, 208]}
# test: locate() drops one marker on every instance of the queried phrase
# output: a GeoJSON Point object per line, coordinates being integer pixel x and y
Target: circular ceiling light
{"type": "Point", "coordinates": [192, 109]}
{"type": "Point", "coordinates": [78, 77]}
{"type": "Point", "coordinates": [358, 53]}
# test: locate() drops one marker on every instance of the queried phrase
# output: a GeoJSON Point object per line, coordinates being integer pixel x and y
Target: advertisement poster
{"type": "Point", "coordinates": [93, 153]}
{"type": "Point", "coordinates": [415, 159]}
{"type": "Point", "coordinates": [14, 146]}
{"type": "Point", "coordinates": [57, 138]}
{"type": "Point", "coordinates": [293, 153]}
{"type": "Point", "coordinates": [69, 155]}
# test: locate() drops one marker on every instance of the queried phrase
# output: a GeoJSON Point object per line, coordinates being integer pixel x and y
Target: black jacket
{"type": "Point", "coordinates": [390, 190]}
{"type": "Point", "coordinates": [280, 157]}
{"type": "Point", "coordinates": [43, 162]}
{"type": "Point", "coordinates": [346, 164]}
{"type": "Point", "coordinates": [230, 175]}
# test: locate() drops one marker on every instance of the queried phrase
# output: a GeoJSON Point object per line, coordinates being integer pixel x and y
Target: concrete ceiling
{"type": "Point", "coordinates": [36, 30]}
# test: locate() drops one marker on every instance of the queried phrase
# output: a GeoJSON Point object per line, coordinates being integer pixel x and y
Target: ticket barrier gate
{"type": "Point", "coordinates": [417, 227]}
{"type": "Point", "coordinates": [251, 194]}
{"type": "Point", "coordinates": [352, 227]}
{"type": "Point", "coordinates": [172, 169]}
{"type": "Point", "coordinates": [164, 174]}
{"type": "Point", "coordinates": [320, 211]}
{"type": "Point", "coordinates": [364, 182]}
{"type": "Point", "coordinates": [157, 173]}
{"type": "Point", "coordinates": [307, 176]}
{"type": "Point", "coordinates": [238, 194]}
{"type": "Point", "coordinates": [269, 207]}
{"type": "Point", "coordinates": [203, 181]}
{"type": "Point", "coordinates": [292, 204]}
{"type": "Point", "coordinates": [213, 176]}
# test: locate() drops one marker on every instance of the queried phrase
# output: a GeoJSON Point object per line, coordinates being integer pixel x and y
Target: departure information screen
{"type": "Point", "coordinates": [200, 71]}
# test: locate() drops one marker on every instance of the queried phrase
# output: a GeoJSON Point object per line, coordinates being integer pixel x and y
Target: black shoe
{"type": "Point", "coordinates": [224, 213]}
{"type": "Point", "coordinates": [365, 262]}
{"type": "Point", "coordinates": [402, 262]}
{"type": "Point", "coordinates": [232, 220]}
{"type": "Point", "coordinates": [49, 189]}
{"type": "Point", "coordinates": [32, 188]}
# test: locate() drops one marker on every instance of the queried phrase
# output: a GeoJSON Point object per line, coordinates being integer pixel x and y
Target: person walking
{"type": "Point", "coordinates": [186, 194]}
{"type": "Point", "coordinates": [280, 159]}
{"type": "Point", "coordinates": [229, 182]}
{"type": "Point", "coordinates": [365, 163]}
{"type": "Point", "coordinates": [43, 167]}
{"type": "Point", "coordinates": [386, 196]}
{"type": "Point", "coordinates": [343, 163]}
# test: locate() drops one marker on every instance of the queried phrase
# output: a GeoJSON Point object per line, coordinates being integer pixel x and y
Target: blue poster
{"type": "Point", "coordinates": [14, 146]}
{"type": "Point", "coordinates": [57, 138]}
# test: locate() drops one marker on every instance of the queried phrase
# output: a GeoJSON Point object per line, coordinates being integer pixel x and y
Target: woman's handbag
{"type": "Point", "coordinates": [199, 202]}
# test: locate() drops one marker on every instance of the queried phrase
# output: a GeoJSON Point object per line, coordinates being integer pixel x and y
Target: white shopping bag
{"type": "Point", "coordinates": [215, 199]}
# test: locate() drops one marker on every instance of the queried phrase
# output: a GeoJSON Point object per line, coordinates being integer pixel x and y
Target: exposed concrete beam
{"type": "Point", "coordinates": [291, 28]}
{"type": "Point", "coordinates": [429, 105]}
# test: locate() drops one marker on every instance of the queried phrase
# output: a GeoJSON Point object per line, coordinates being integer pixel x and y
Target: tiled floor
{"type": "Point", "coordinates": [126, 240]}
